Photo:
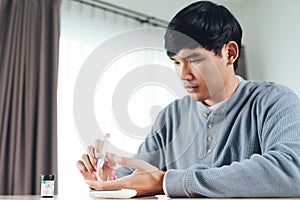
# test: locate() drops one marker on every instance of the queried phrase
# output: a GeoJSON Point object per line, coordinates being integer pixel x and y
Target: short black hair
{"type": "Point", "coordinates": [204, 24]}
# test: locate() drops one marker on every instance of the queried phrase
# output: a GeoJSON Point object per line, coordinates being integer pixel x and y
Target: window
{"type": "Point", "coordinates": [83, 29]}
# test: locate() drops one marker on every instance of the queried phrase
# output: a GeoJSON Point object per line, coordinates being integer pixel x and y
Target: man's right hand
{"type": "Point", "coordinates": [88, 167]}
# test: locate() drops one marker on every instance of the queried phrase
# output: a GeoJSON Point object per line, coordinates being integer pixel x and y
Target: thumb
{"type": "Point", "coordinates": [137, 164]}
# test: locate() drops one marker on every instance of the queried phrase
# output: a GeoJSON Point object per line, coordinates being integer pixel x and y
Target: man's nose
{"type": "Point", "coordinates": [185, 72]}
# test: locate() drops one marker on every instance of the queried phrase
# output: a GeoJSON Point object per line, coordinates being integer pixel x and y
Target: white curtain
{"type": "Point", "coordinates": [83, 29]}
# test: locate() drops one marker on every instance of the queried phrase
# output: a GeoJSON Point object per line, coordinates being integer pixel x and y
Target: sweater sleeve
{"type": "Point", "coordinates": [273, 173]}
{"type": "Point", "coordinates": [151, 150]}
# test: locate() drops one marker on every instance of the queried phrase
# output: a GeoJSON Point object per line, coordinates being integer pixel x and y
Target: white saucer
{"type": "Point", "coordinates": [120, 194]}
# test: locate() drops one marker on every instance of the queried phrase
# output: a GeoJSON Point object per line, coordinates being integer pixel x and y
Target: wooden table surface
{"type": "Point", "coordinates": [74, 197]}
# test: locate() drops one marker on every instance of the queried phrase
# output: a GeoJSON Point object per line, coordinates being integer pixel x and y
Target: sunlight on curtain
{"type": "Point", "coordinates": [83, 28]}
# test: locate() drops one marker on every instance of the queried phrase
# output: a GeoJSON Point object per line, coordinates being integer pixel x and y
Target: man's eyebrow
{"type": "Point", "coordinates": [192, 56]}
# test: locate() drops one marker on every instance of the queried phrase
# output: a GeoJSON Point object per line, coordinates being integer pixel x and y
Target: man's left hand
{"type": "Point", "coordinates": [146, 179]}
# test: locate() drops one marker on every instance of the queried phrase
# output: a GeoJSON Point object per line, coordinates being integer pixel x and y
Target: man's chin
{"type": "Point", "coordinates": [194, 97]}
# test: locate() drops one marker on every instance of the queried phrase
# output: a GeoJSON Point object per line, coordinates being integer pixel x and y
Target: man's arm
{"type": "Point", "coordinates": [274, 173]}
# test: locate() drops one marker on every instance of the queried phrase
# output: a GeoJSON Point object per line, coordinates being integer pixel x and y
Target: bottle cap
{"type": "Point", "coordinates": [50, 177]}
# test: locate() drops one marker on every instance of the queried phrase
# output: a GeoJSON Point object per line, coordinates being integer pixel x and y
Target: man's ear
{"type": "Point", "coordinates": [232, 51]}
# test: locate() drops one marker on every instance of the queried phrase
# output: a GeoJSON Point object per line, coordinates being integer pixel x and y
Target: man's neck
{"type": "Point", "coordinates": [227, 91]}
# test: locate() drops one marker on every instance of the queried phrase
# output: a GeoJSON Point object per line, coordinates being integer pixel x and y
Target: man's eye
{"type": "Point", "coordinates": [195, 61]}
{"type": "Point", "coordinates": [176, 63]}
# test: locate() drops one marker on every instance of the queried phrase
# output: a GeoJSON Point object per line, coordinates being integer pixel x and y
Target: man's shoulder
{"type": "Point", "coordinates": [266, 87]}
{"type": "Point", "coordinates": [183, 102]}
{"type": "Point", "coordinates": [267, 91]}
{"type": "Point", "coordinates": [176, 107]}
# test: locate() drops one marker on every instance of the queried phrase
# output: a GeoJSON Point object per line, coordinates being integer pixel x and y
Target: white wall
{"type": "Point", "coordinates": [166, 9]}
{"type": "Point", "coordinates": [271, 33]}
{"type": "Point", "coordinates": [272, 40]}
{"type": "Point", "coordinates": [163, 9]}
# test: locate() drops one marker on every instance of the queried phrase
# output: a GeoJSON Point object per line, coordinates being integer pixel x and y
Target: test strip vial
{"type": "Point", "coordinates": [47, 185]}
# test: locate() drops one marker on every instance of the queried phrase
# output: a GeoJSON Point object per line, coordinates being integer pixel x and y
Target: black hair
{"type": "Point", "coordinates": [204, 24]}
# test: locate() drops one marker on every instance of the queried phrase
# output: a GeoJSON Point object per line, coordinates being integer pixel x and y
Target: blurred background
{"type": "Point", "coordinates": [270, 52]}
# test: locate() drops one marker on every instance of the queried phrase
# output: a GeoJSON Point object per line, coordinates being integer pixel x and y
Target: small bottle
{"type": "Point", "coordinates": [47, 185]}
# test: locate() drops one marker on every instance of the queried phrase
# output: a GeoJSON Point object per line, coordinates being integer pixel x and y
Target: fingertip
{"type": "Point", "coordinates": [81, 167]}
{"type": "Point", "coordinates": [90, 149]}
{"type": "Point", "coordinates": [84, 156]}
{"type": "Point", "coordinates": [113, 171]}
{"type": "Point", "coordinates": [128, 162]}
{"type": "Point", "coordinates": [87, 181]}
{"type": "Point", "coordinates": [119, 160]}
{"type": "Point", "coordinates": [79, 163]}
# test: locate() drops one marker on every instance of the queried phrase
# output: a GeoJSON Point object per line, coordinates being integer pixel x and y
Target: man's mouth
{"type": "Point", "coordinates": [191, 89]}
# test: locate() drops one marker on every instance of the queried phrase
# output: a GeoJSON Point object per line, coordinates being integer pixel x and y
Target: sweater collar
{"type": "Point", "coordinates": [225, 105]}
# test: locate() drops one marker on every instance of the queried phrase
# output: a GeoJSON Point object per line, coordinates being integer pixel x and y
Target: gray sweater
{"type": "Point", "coordinates": [248, 147]}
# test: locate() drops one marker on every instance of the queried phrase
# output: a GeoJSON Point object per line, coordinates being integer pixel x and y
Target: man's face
{"type": "Point", "coordinates": [204, 74]}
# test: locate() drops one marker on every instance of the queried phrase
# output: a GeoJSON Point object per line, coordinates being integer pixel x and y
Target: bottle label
{"type": "Point", "coordinates": [47, 188]}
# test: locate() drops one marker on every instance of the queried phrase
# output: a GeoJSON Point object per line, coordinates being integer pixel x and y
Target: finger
{"type": "Point", "coordinates": [81, 167]}
{"type": "Point", "coordinates": [112, 175]}
{"type": "Point", "coordinates": [87, 176]}
{"type": "Point", "coordinates": [106, 173]}
{"type": "Point", "coordinates": [139, 165]}
{"type": "Point", "coordinates": [83, 171]}
{"type": "Point", "coordinates": [92, 157]}
{"type": "Point", "coordinates": [87, 163]}
{"type": "Point", "coordinates": [110, 160]}
{"type": "Point", "coordinates": [99, 174]}
{"type": "Point", "coordinates": [90, 150]}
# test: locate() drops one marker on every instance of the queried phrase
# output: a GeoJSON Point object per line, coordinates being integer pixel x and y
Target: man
{"type": "Point", "coordinates": [228, 138]}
